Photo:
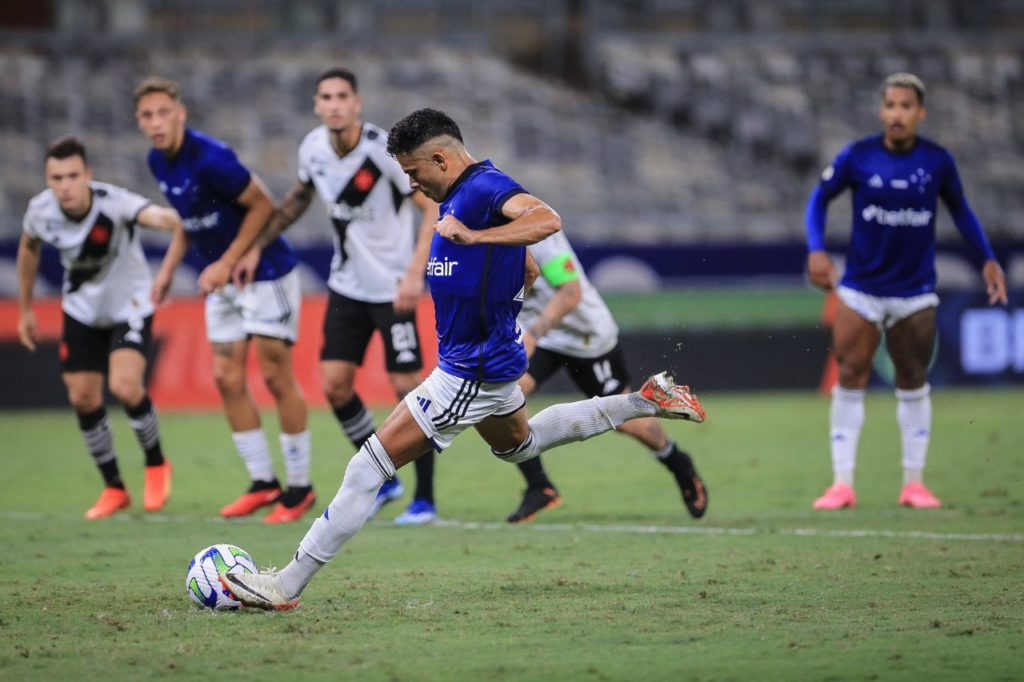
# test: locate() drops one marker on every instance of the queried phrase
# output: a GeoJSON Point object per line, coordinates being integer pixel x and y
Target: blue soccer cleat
{"type": "Point", "coordinates": [417, 514]}
{"type": "Point", "coordinates": [390, 491]}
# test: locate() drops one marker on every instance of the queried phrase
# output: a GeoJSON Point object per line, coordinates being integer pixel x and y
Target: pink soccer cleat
{"type": "Point", "coordinates": [838, 496]}
{"type": "Point", "coordinates": [916, 495]}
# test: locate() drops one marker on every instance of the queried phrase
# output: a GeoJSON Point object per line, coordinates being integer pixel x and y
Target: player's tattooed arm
{"type": "Point", "coordinates": [165, 275]}
{"type": "Point", "coordinates": [259, 208]}
{"type": "Point", "coordinates": [28, 267]}
{"type": "Point", "coordinates": [294, 204]}
{"type": "Point", "coordinates": [410, 287]}
{"type": "Point", "coordinates": [159, 217]}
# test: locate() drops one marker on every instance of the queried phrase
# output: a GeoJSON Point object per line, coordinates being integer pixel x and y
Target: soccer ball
{"type": "Point", "coordinates": [201, 582]}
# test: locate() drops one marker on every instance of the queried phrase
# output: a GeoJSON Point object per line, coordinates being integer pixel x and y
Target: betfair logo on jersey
{"type": "Point", "coordinates": [202, 222]}
{"type": "Point", "coordinates": [441, 268]}
{"type": "Point", "coordinates": [904, 217]}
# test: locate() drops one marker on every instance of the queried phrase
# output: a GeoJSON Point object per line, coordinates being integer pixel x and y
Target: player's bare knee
{"type": "Point", "coordinates": [337, 391]}
{"type": "Point", "coordinates": [229, 380]}
{"type": "Point", "coordinates": [85, 402]}
{"type": "Point", "coordinates": [128, 390]}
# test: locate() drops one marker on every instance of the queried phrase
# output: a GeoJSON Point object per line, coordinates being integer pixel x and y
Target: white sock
{"type": "Point", "coordinates": [914, 414]}
{"type": "Point", "coordinates": [253, 449]}
{"type": "Point", "coordinates": [846, 417]}
{"type": "Point", "coordinates": [295, 447]}
{"type": "Point", "coordinates": [344, 516]}
{"type": "Point", "coordinates": [571, 422]}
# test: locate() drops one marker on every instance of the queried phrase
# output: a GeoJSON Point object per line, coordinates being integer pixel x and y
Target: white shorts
{"type": "Point", "coordinates": [268, 308]}
{"type": "Point", "coordinates": [885, 311]}
{"type": "Point", "coordinates": [444, 405]}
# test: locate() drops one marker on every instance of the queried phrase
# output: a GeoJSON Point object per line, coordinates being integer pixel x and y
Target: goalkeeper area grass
{"type": "Point", "coordinates": [617, 584]}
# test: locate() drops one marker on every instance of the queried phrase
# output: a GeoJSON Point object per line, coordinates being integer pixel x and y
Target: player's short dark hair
{"type": "Point", "coordinates": [905, 80]}
{"type": "Point", "coordinates": [157, 84]}
{"type": "Point", "coordinates": [418, 127]}
{"type": "Point", "coordinates": [65, 148]}
{"type": "Point", "coordinates": [337, 72]}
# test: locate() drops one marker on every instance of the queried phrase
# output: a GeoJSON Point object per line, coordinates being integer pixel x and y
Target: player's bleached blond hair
{"type": "Point", "coordinates": [157, 84]}
{"type": "Point", "coordinates": [905, 80]}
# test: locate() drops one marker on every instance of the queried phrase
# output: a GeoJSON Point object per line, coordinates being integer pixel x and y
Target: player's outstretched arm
{"type": "Point", "coordinates": [259, 207]}
{"type": "Point", "coordinates": [159, 217]}
{"type": "Point", "coordinates": [28, 267]}
{"type": "Point", "coordinates": [165, 275]}
{"type": "Point", "coordinates": [411, 287]}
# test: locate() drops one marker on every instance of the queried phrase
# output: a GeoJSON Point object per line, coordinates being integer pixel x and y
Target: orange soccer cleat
{"type": "Point", "coordinates": [158, 486]}
{"type": "Point", "coordinates": [111, 501]}
{"type": "Point", "coordinates": [257, 496]}
{"type": "Point", "coordinates": [672, 401]}
{"type": "Point", "coordinates": [918, 496]}
{"type": "Point", "coordinates": [837, 496]}
{"type": "Point", "coordinates": [291, 505]}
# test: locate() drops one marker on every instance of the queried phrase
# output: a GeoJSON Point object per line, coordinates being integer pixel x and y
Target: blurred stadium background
{"type": "Point", "coordinates": [678, 139]}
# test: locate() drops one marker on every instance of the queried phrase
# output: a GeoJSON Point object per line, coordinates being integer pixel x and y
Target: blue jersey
{"type": "Point", "coordinates": [202, 183]}
{"type": "Point", "coordinates": [478, 290]}
{"type": "Point", "coordinates": [895, 196]}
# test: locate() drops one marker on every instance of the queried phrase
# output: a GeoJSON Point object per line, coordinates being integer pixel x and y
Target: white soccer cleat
{"type": "Point", "coordinates": [258, 590]}
{"type": "Point", "coordinates": [672, 401]}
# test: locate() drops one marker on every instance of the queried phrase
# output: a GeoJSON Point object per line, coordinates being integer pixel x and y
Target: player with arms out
{"type": "Point", "coordinates": [224, 208]}
{"type": "Point", "coordinates": [108, 316]}
{"type": "Point", "coordinates": [477, 274]}
{"type": "Point", "coordinates": [888, 288]}
{"type": "Point", "coordinates": [376, 277]}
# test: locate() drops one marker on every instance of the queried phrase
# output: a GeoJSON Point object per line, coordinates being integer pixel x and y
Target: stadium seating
{"type": "Point", "coordinates": [696, 133]}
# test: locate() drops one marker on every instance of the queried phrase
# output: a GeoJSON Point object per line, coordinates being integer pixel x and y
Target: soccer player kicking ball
{"type": "Point", "coordinates": [888, 288]}
{"type": "Point", "coordinates": [225, 207]}
{"type": "Point", "coordinates": [477, 276]}
{"type": "Point", "coordinates": [108, 316]}
{"type": "Point", "coordinates": [376, 277]}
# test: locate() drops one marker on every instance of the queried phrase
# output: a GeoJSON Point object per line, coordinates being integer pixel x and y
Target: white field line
{"type": "Point", "coordinates": [579, 527]}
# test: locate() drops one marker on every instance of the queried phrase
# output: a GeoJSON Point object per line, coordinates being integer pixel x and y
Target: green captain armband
{"type": "Point", "coordinates": [560, 270]}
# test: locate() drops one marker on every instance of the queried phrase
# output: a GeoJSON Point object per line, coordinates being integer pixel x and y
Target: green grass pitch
{"type": "Point", "coordinates": [618, 584]}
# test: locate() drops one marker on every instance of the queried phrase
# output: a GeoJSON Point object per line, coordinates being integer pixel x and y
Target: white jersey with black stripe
{"type": "Point", "coordinates": [587, 331]}
{"type": "Point", "coordinates": [106, 277]}
{"type": "Point", "coordinates": [365, 193]}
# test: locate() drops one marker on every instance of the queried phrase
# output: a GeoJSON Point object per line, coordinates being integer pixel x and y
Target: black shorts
{"type": "Point", "coordinates": [600, 376]}
{"type": "Point", "coordinates": [84, 348]}
{"type": "Point", "coordinates": [349, 324]}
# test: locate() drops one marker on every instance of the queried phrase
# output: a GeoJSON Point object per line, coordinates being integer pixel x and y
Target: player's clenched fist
{"type": "Point", "coordinates": [452, 229]}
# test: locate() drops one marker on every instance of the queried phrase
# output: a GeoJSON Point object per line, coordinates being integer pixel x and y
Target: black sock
{"type": "Point", "coordinates": [425, 477]}
{"type": "Point", "coordinates": [533, 472]}
{"type": "Point", "coordinates": [678, 462]}
{"type": "Point", "coordinates": [100, 441]}
{"type": "Point", "coordinates": [143, 420]}
{"type": "Point", "coordinates": [356, 421]}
